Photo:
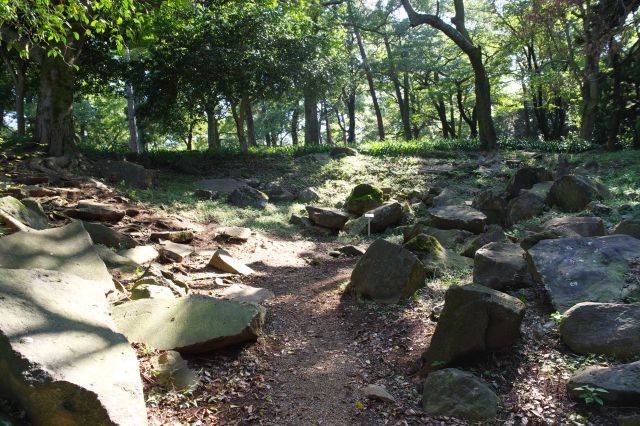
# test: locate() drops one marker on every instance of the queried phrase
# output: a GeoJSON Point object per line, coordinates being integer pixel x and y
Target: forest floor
{"type": "Point", "coordinates": [320, 345]}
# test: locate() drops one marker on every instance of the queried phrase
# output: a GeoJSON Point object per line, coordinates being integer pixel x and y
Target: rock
{"type": "Point", "coordinates": [123, 171]}
{"type": "Point", "coordinates": [140, 254]}
{"type": "Point", "coordinates": [351, 251]}
{"type": "Point", "coordinates": [602, 328]}
{"type": "Point", "coordinates": [386, 216]}
{"type": "Point", "coordinates": [493, 204]}
{"type": "Point", "coordinates": [233, 233]}
{"type": "Point", "coordinates": [452, 239]}
{"type": "Point", "coordinates": [176, 252]}
{"type": "Point", "coordinates": [161, 279]}
{"type": "Point", "coordinates": [542, 190]}
{"type": "Point", "coordinates": [525, 178]}
{"type": "Point", "coordinates": [576, 226]}
{"type": "Point", "coordinates": [435, 258]}
{"type": "Point", "coordinates": [455, 393]}
{"type": "Point", "coordinates": [599, 209]}
{"type": "Point", "coordinates": [308, 195]}
{"type": "Point", "coordinates": [327, 217]}
{"type": "Point", "coordinates": [387, 273]}
{"type": "Point", "coordinates": [630, 420]}
{"type": "Point", "coordinates": [205, 194]}
{"type": "Point", "coordinates": [307, 225]}
{"type": "Point", "coordinates": [190, 324]}
{"type": "Point", "coordinates": [67, 249]}
{"type": "Point", "coordinates": [114, 261]}
{"type": "Point", "coordinates": [173, 372]}
{"type": "Point", "coordinates": [524, 207]}
{"type": "Point", "coordinates": [276, 192]}
{"type": "Point", "coordinates": [173, 236]}
{"type": "Point", "coordinates": [343, 151]}
{"type": "Point", "coordinates": [572, 193]}
{"type": "Point", "coordinates": [364, 197]}
{"type": "Point", "coordinates": [500, 266]}
{"type": "Point", "coordinates": [357, 226]}
{"type": "Point", "coordinates": [628, 227]}
{"type": "Point", "coordinates": [439, 169]}
{"type": "Point", "coordinates": [533, 238]}
{"type": "Point", "coordinates": [458, 217]}
{"type": "Point", "coordinates": [223, 186]}
{"type": "Point", "coordinates": [378, 392]}
{"type": "Point", "coordinates": [593, 269]}
{"type": "Point", "coordinates": [493, 234]}
{"type": "Point", "coordinates": [475, 319]}
{"type": "Point", "coordinates": [245, 294]}
{"type": "Point", "coordinates": [591, 165]}
{"type": "Point", "coordinates": [90, 210]}
{"type": "Point", "coordinates": [246, 196]}
{"type": "Point", "coordinates": [150, 291]}
{"type": "Point", "coordinates": [16, 210]}
{"type": "Point", "coordinates": [621, 383]}
{"type": "Point", "coordinates": [453, 195]}
{"type": "Point", "coordinates": [109, 237]}
{"type": "Point", "coordinates": [223, 261]}
{"type": "Point", "coordinates": [62, 359]}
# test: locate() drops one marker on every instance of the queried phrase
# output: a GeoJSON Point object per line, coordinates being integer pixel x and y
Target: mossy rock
{"type": "Point", "coordinates": [364, 197]}
{"type": "Point", "coordinates": [425, 244]}
{"type": "Point", "coordinates": [436, 259]}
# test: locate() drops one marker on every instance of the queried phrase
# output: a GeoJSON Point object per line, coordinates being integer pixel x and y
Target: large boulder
{"type": "Point", "coordinates": [436, 259]}
{"type": "Point", "coordinates": [493, 234]}
{"type": "Point", "coordinates": [475, 319]}
{"type": "Point", "coordinates": [327, 217]}
{"type": "Point", "coordinates": [525, 178]}
{"type": "Point", "coordinates": [452, 239]}
{"type": "Point", "coordinates": [621, 383]}
{"type": "Point", "coordinates": [67, 249]}
{"type": "Point", "coordinates": [109, 237]}
{"type": "Point", "coordinates": [387, 273]}
{"type": "Point", "coordinates": [493, 204]}
{"type": "Point", "coordinates": [385, 216]}
{"type": "Point", "coordinates": [500, 266]}
{"type": "Point", "coordinates": [572, 193]}
{"type": "Point", "coordinates": [190, 324]}
{"type": "Point", "coordinates": [458, 217]}
{"type": "Point", "coordinates": [246, 196]}
{"type": "Point", "coordinates": [277, 193]}
{"type": "Point", "coordinates": [602, 328]}
{"type": "Point", "coordinates": [628, 227]}
{"type": "Point", "coordinates": [455, 393]}
{"type": "Point", "coordinates": [12, 209]}
{"type": "Point", "coordinates": [523, 207]}
{"type": "Point", "coordinates": [593, 269]}
{"type": "Point", "coordinates": [364, 197]}
{"type": "Point", "coordinates": [125, 172]}
{"type": "Point", "coordinates": [308, 195]}
{"type": "Point", "coordinates": [576, 226]}
{"type": "Point", "coordinates": [453, 195]}
{"type": "Point", "coordinates": [61, 359]}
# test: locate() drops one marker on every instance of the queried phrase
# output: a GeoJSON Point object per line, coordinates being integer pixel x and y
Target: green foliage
{"type": "Point", "coordinates": [556, 317]}
{"type": "Point", "coordinates": [590, 394]}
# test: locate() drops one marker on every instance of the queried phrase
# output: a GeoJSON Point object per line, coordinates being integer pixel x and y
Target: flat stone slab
{"type": "Point", "coordinates": [327, 217]}
{"type": "Point", "coordinates": [223, 261]}
{"type": "Point", "coordinates": [225, 186]}
{"type": "Point", "coordinates": [91, 210]}
{"type": "Point", "coordinates": [101, 234]}
{"type": "Point", "coordinates": [576, 226]}
{"type": "Point", "coordinates": [176, 252]}
{"type": "Point", "coordinates": [190, 324]}
{"type": "Point", "coordinates": [458, 217]}
{"type": "Point", "coordinates": [141, 254]}
{"type": "Point", "coordinates": [114, 261]}
{"type": "Point", "coordinates": [234, 233]}
{"type": "Point", "coordinates": [621, 383]}
{"type": "Point", "coordinates": [67, 249]}
{"type": "Point", "coordinates": [15, 209]}
{"type": "Point", "coordinates": [60, 356]}
{"type": "Point", "coordinates": [575, 270]}
{"type": "Point", "coordinates": [245, 294]}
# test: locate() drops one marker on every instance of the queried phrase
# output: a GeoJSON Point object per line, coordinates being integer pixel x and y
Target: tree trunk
{"type": "Point", "coordinates": [295, 117]}
{"type": "Point", "coordinates": [590, 94]}
{"type": "Point", "coordinates": [311, 123]}
{"type": "Point", "coordinates": [404, 113]}
{"type": "Point", "coordinates": [131, 115]}
{"type": "Point", "coordinates": [251, 129]}
{"type": "Point", "coordinates": [618, 104]}
{"type": "Point", "coordinates": [238, 117]}
{"type": "Point", "coordinates": [213, 131]}
{"type": "Point", "coordinates": [351, 113]}
{"type": "Point", "coordinates": [327, 124]}
{"type": "Point", "coordinates": [190, 137]}
{"type": "Point", "coordinates": [20, 93]}
{"type": "Point", "coordinates": [487, 132]}
{"type": "Point", "coordinates": [55, 106]}
{"type": "Point", "coordinates": [372, 88]}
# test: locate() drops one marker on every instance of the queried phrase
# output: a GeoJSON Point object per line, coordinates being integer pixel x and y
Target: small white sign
{"type": "Point", "coordinates": [369, 215]}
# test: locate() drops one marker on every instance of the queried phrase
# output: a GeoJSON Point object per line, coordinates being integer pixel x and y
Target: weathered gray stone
{"type": "Point", "coordinates": [60, 356]}
{"type": "Point", "coordinates": [223, 261]}
{"type": "Point", "coordinates": [524, 207]}
{"type": "Point", "coordinates": [343, 151]}
{"type": "Point", "coordinates": [542, 190]}
{"type": "Point", "coordinates": [150, 291]}
{"type": "Point", "coordinates": [602, 328]}
{"type": "Point", "coordinates": [387, 273]}
{"type": "Point", "coordinates": [307, 225]}
{"type": "Point", "coordinates": [458, 217]}
{"type": "Point", "coordinates": [245, 294]}
{"type": "Point", "coordinates": [308, 195]}
{"type": "Point", "coordinates": [173, 372]}
{"type": "Point", "coordinates": [576, 226]}
{"type": "Point", "coordinates": [572, 193]}
{"type": "Point", "coordinates": [114, 261]}
{"type": "Point", "coordinates": [452, 239]}
{"type": "Point", "coordinates": [246, 196]}
{"type": "Point", "coordinates": [101, 234]}
{"type": "Point", "coordinates": [364, 197]}
{"type": "Point", "coordinates": [141, 254]}
{"type": "Point", "coordinates": [327, 217]}
{"type": "Point", "coordinates": [525, 178]}
{"type": "Point", "coordinates": [436, 259]}
{"type": "Point", "coordinates": [500, 266]}
{"type": "Point", "coordinates": [628, 227]}
{"type": "Point", "coordinates": [378, 392]}
{"type": "Point", "coordinates": [277, 192]}
{"type": "Point", "coordinates": [475, 319]}
{"type": "Point", "coordinates": [455, 393]}
{"type": "Point", "coordinates": [190, 324]}
{"type": "Point", "coordinates": [493, 204]}
{"type": "Point", "coordinates": [124, 171]}
{"type": "Point", "coordinates": [18, 211]}
{"type": "Point", "coordinates": [385, 216]}
{"type": "Point", "coordinates": [67, 249]}
{"type": "Point", "coordinates": [91, 210]}
{"type": "Point", "coordinates": [233, 233]}
{"type": "Point", "coordinates": [224, 186]}
{"type": "Point", "coordinates": [176, 252]}
{"type": "Point", "coordinates": [621, 383]}
{"type": "Point", "coordinates": [493, 234]}
{"type": "Point", "coordinates": [575, 270]}
{"type": "Point", "coordinates": [351, 251]}
{"type": "Point", "coordinates": [173, 236]}
{"type": "Point", "coordinates": [453, 195]}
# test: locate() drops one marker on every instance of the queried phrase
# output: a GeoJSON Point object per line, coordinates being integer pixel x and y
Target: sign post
{"type": "Point", "coordinates": [370, 217]}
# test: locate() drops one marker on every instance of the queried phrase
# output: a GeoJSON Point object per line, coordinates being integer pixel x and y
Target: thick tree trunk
{"type": "Point", "coordinates": [311, 123]}
{"type": "Point", "coordinates": [55, 106]}
{"type": "Point", "coordinates": [190, 138]}
{"type": "Point", "coordinates": [486, 129]}
{"type": "Point", "coordinates": [351, 113]}
{"type": "Point", "coordinates": [239, 117]}
{"type": "Point", "coordinates": [618, 104]}
{"type": "Point", "coordinates": [372, 88]}
{"type": "Point", "coordinates": [404, 112]}
{"type": "Point", "coordinates": [251, 129]}
{"type": "Point", "coordinates": [327, 124]}
{"type": "Point", "coordinates": [295, 117]}
{"type": "Point", "coordinates": [213, 131]}
{"type": "Point", "coordinates": [590, 95]}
